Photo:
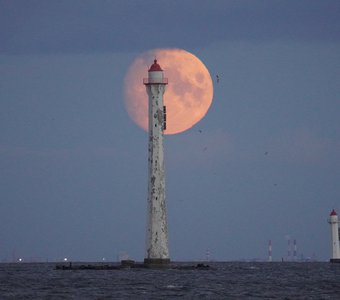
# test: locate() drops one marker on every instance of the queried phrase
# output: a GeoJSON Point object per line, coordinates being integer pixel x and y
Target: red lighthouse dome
{"type": "Point", "coordinates": [155, 67]}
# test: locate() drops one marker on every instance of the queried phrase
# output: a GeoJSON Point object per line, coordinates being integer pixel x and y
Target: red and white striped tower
{"type": "Point", "coordinates": [270, 257]}
{"type": "Point", "coordinates": [333, 220]}
{"type": "Point", "coordinates": [288, 250]}
{"type": "Point", "coordinates": [157, 250]}
{"type": "Point", "coordinates": [207, 255]}
{"type": "Point", "coordinates": [295, 251]}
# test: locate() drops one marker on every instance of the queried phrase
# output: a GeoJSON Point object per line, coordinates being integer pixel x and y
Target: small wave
{"type": "Point", "coordinates": [174, 287]}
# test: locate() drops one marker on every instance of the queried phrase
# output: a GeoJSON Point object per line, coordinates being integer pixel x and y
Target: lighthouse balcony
{"type": "Point", "coordinates": [148, 81]}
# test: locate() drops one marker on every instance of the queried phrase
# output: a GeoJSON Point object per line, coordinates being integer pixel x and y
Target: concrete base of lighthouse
{"type": "Point", "coordinates": [335, 260]}
{"type": "Point", "coordinates": [157, 262]}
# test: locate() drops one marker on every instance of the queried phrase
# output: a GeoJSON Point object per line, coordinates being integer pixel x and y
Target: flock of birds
{"type": "Point", "coordinates": [200, 130]}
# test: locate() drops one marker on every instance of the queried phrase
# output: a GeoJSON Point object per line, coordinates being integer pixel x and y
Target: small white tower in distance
{"type": "Point", "coordinates": [157, 252]}
{"type": "Point", "coordinates": [270, 257]}
{"type": "Point", "coordinates": [333, 220]}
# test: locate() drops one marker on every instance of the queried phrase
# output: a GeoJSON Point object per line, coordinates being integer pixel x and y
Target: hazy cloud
{"type": "Point", "coordinates": [114, 26]}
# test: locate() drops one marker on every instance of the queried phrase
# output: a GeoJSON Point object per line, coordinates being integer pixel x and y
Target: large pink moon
{"type": "Point", "coordinates": [188, 95]}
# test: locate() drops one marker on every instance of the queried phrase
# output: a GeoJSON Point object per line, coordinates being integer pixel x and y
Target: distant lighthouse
{"type": "Point", "coordinates": [270, 257]}
{"type": "Point", "coordinates": [333, 220]}
{"type": "Point", "coordinates": [157, 251]}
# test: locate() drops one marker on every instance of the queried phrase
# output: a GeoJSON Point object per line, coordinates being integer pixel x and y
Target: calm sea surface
{"type": "Point", "coordinates": [232, 280]}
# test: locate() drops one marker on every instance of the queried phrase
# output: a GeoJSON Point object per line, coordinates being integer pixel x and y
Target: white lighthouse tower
{"type": "Point", "coordinates": [157, 251]}
{"type": "Point", "coordinates": [333, 220]}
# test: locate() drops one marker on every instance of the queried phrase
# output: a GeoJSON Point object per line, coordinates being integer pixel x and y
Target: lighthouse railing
{"type": "Point", "coordinates": [155, 80]}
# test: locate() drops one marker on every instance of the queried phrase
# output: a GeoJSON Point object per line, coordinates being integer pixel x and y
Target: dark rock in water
{"type": "Point", "coordinates": [86, 267]}
{"type": "Point", "coordinates": [199, 266]}
{"type": "Point", "coordinates": [202, 266]}
{"type": "Point", "coordinates": [127, 264]}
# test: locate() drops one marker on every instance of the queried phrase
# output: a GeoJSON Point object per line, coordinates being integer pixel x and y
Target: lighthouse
{"type": "Point", "coordinates": [157, 250]}
{"type": "Point", "coordinates": [333, 220]}
{"type": "Point", "coordinates": [270, 257]}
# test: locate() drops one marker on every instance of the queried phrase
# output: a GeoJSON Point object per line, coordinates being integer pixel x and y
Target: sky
{"type": "Point", "coordinates": [263, 164]}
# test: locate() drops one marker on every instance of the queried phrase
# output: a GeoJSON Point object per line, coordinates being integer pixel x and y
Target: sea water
{"type": "Point", "coordinates": [229, 280]}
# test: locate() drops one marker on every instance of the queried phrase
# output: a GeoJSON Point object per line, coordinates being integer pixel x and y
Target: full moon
{"type": "Point", "coordinates": [187, 97]}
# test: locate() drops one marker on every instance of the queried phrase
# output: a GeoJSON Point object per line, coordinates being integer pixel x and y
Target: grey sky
{"type": "Point", "coordinates": [266, 164]}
